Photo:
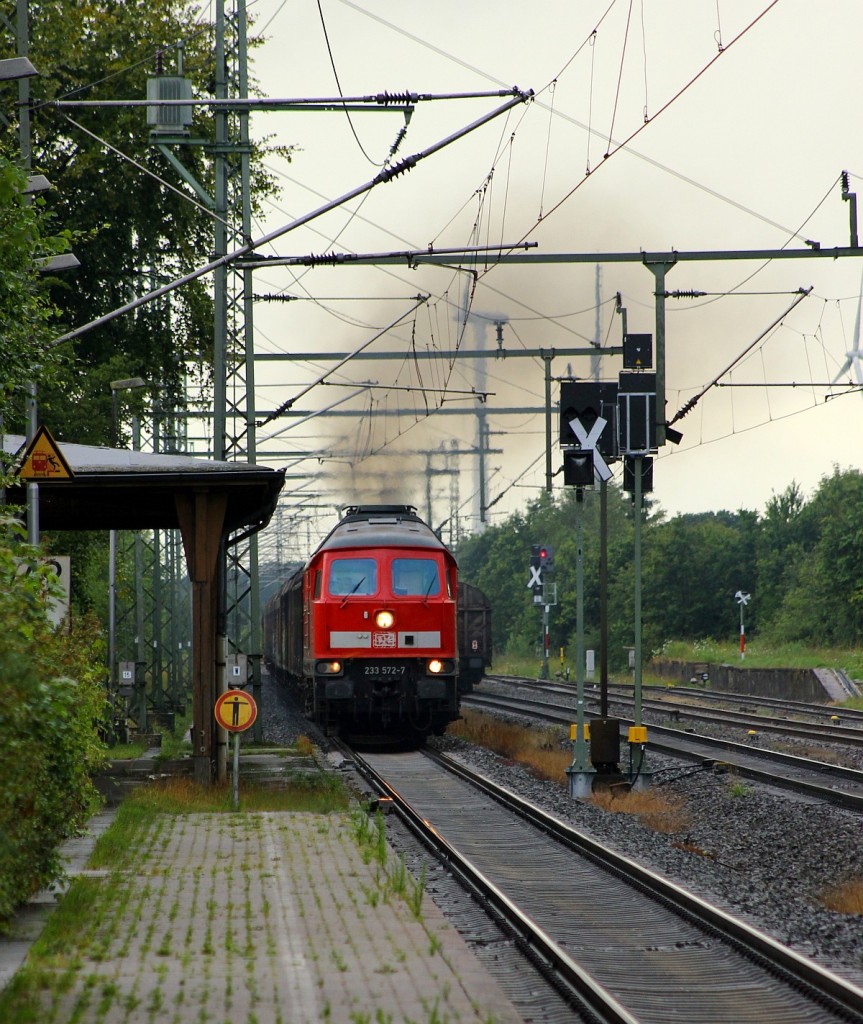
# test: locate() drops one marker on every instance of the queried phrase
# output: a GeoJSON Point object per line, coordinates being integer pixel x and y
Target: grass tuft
{"type": "Point", "coordinates": [304, 746]}
{"type": "Point", "coordinates": [545, 751]}
{"type": "Point", "coordinates": [317, 794]}
{"type": "Point", "coordinates": [655, 810]}
{"type": "Point", "coordinates": [302, 792]}
{"type": "Point", "coordinates": [128, 751]}
{"type": "Point", "coordinates": [846, 898]}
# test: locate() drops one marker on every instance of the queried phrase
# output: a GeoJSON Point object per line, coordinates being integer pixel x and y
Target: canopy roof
{"type": "Point", "coordinates": [118, 489]}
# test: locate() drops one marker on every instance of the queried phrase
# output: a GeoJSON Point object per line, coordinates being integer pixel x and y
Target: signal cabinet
{"type": "Point", "coordinates": [637, 351]}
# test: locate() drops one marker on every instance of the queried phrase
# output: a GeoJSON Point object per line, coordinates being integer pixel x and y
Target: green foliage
{"type": "Point", "coordinates": [800, 560]}
{"type": "Point", "coordinates": [52, 707]}
{"type": "Point", "coordinates": [138, 223]}
{"type": "Point", "coordinates": [766, 653]}
{"type": "Point", "coordinates": [26, 313]}
{"type": "Point", "coordinates": [823, 599]}
{"type": "Point", "coordinates": [132, 231]}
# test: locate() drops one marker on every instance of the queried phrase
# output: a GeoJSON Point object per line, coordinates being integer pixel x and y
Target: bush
{"type": "Point", "coordinates": [53, 704]}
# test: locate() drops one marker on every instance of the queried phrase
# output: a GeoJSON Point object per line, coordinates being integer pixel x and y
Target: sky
{"type": "Point", "coordinates": [727, 126]}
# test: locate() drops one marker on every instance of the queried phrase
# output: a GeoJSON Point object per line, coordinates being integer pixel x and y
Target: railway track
{"type": "Point", "coordinates": [620, 943]}
{"type": "Point", "coordinates": [816, 779]}
{"type": "Point", "coordinates": [820, 712]}
{"type": "Point", "coordinates": [671, 704]}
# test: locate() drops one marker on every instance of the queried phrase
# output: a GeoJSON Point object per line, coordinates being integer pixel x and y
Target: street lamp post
{"type": "Point", "coordinates": [127, 384]}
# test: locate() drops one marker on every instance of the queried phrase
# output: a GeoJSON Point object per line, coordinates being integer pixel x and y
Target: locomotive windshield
{"type": "Point", "coordinates": [353, 576]}
{"type": "Point", "coordinates": [415, 577]}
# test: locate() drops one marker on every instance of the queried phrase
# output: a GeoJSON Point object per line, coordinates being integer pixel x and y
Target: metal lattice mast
{"type": "Point", "coordinates": [153, 608]}
{"type": "Point", "coordinates": [234, 437]}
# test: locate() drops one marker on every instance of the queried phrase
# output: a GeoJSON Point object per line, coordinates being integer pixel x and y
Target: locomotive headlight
{"type": "Point", "coordinates": [384, 620]}
{"type": "Point", "coordinates": [328, 668]}
{"type": "Point", "coordinates": [437, 666]}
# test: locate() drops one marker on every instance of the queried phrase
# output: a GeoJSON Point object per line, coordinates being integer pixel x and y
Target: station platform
{"type": "Point", "coordinates": [253, 918]}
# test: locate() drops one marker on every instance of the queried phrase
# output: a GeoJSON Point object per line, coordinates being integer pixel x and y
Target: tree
{"type": "Point", "coordinates": [133, 232]}
{"type": "Point", "coordinates": [824, 602]}
{"type": "Point", "coordinates": [496, 561]}
{"type": "Point", "coordinates": [784, 536]}
{"type": "Point", "coordinates": [692, 567]}
{"type": "Point", "coordinates": [27, 315]}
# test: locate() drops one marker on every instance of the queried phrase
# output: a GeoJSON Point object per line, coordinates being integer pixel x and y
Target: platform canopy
{"type": "Point", "coordinates": [208, 501]}
{"type": "Point", "coordinates": [117, 489]}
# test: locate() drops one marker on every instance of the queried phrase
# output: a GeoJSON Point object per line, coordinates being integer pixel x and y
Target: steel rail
{"type": "Point", "coordinates": [623, 693]}
{"type": "Point", "coordinates": [842, 996]}
{"type": "Point", "coordinates": [798, 706]}
{"type": "Point", "coordinates": [573, 983]}
{"type": "Point", "coordinates": [675, 746]}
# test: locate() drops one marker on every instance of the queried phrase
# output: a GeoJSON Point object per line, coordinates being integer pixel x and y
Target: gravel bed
{"type": "Point", "coordinates": [761, 854]}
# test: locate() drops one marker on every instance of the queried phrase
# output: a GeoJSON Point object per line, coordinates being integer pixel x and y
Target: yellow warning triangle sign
{"type": "Point", "coordinates": [43, 459]}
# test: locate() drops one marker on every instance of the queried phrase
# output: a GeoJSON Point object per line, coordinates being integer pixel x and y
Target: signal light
{"type": "Point", "coordinates": [578, 468]}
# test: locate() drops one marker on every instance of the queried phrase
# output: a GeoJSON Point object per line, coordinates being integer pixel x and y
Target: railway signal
{"type": "Point", "coordinates": [534, 581]}
{"type": "Point", "coordinates": [586, 403]}
{"type": "Point", "coordinates": [742, 598]}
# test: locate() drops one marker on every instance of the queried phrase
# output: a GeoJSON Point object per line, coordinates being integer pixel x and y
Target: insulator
{"type": "Point", "coordinates": [399, 140]}
{"type": "Point", "coordinates": [386, 98]}
{"type": "Point", "coordinates": [323, 259]}
{"type": "Point", "coordinates": [686, 293]}
{"type": "Point", "coordinates": [845, 181]}
{"type": "Point", "coordinates": [690, 405]}
{"type": "Point", "coordinates": [388, 173]}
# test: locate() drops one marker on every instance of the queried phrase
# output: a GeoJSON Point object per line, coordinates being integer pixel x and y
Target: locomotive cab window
{"type": "Point", "coordinates": [353, 576]}
{"type": "Point", "coordinates": [415, 577]}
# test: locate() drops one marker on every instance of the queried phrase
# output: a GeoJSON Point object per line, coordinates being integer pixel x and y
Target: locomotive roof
{"type": "Point", "coordinates": [382, 526]}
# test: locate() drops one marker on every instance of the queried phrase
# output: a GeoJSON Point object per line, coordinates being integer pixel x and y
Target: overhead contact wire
{"type": "Point", "coordinates": [619, 77]}
{"type": "Point", "coordinates": [670, 102]}
{"type": "Point", "coordinates": [374, 163]}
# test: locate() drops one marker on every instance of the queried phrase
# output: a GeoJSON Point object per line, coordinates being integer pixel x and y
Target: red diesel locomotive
{"type": "Point", "coordinates": [366, 630]}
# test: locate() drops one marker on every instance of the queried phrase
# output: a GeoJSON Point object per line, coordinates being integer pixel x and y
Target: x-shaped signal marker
{"type": "Point", "coordinates": [589, 442]}
{"type": "Point", "coordinates": [535, 577]}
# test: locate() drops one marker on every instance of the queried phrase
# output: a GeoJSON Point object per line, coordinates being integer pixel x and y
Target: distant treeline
{"type": "Point", "coordinates": [801, 559]}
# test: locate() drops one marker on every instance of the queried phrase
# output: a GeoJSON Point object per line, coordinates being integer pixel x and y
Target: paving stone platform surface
{"type": "Point", "coordinates": [258, 918]}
